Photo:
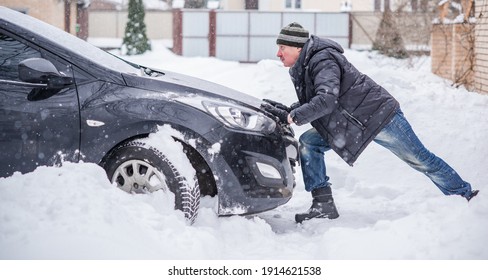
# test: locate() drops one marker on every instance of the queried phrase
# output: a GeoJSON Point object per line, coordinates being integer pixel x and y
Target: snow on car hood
{"type": "Point", "coordinates": [171, 82]}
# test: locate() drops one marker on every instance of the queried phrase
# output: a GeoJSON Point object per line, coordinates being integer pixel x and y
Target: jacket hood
{"type": "Point", "coordinates": [316, 44]}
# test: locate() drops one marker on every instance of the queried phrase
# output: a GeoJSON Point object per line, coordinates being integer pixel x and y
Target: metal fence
{"type": "Point", "coordinates": [248, 36]}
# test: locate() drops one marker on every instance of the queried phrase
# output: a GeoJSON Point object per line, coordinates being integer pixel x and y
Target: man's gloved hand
{"type": "Point", "coordinates": [294, 106]}
{"type": "Point", "coordinates": [281, 114]}
{"type": "Point", "coordinates": [278, 105]}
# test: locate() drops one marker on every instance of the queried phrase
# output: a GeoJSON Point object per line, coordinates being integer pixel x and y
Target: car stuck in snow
{"type": "Point", "coordinates": [63, 99]}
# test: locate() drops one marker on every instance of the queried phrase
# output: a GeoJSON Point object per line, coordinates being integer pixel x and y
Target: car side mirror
{"type": "Point", "coordinates": [42, 71]}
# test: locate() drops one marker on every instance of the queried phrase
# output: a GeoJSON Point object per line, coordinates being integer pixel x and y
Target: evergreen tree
{"type": "Point", "coordinates": [195, 4]}
{"type": "Point", "coordinates": [135, 39]}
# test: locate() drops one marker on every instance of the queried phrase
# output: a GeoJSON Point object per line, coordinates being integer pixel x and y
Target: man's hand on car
{"type": "Point", "coordinates": [281, 114]}
{"type": "Point", "coordinates": [278, 105]}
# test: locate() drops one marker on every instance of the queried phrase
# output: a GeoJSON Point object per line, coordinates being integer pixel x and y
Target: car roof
{"type": "Point", "coordinates": [60, 37]}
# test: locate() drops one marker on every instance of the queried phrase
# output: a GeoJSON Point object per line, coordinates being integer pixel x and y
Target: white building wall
{"type": "Point", "coordinates": [232, 5]}
{"type": "Point", "coordinates": [316, 5]}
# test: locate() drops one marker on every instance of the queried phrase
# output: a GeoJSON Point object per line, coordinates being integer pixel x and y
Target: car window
{"type": "Point", "coordinates": [73, 43]}
{"type": "Point", "coordinates": [12, 52]}
{"type": "Point", "coordinates": [36, 124]}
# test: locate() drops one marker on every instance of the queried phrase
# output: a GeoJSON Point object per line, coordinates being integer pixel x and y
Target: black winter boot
{"type": "Point", "coordinates": [322, 206]}
{"type": "Point", "coordinates": [473, 194]}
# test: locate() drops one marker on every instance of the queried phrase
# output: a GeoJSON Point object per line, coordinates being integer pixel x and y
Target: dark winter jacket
{"type": "Point", "coordinates": [345, 106]}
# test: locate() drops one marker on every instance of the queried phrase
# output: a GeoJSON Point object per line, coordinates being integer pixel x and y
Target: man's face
{"type": "Point", "coordinates": [288, 55]}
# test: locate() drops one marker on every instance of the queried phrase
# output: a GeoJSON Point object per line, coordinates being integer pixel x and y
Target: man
{"type": "Point", "coordinates": [347, 111]}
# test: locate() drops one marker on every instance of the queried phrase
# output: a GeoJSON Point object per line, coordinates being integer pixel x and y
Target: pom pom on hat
{"type": "Point", "coordinates": [293, 35]}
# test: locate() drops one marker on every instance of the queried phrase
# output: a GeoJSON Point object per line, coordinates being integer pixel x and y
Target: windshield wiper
{"type": "Point", "coordinates": [150, 72]}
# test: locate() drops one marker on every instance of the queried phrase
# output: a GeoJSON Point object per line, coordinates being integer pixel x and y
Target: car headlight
{"type": "Point", "coordinates": [235, 116]}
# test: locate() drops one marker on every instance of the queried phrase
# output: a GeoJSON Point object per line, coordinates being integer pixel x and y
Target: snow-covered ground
{"type": "Point", "coordinates": [388, 211]}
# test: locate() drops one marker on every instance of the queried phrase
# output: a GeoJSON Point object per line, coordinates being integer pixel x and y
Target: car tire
{"type": "Point", "coordinates": [138, 167]}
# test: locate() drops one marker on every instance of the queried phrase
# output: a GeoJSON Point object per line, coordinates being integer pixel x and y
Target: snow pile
{"type": "Point", "coordinates": [388, 211]}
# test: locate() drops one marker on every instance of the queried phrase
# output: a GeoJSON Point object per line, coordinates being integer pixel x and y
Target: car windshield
{"type": "Point", "coordinates": [69, 41]}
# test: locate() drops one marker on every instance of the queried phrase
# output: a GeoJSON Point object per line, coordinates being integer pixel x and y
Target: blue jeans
{"type": "Point", "coordinates": [400, 139]}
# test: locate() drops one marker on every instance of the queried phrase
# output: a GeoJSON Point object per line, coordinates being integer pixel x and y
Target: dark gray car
{"type": "Point", "coordinates": [62, 99]}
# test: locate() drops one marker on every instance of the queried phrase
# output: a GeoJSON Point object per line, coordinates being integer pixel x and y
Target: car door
{"type": "Point", "coordinates": [34, 131]}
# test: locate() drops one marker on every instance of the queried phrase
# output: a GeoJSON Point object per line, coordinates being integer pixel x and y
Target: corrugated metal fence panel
{"type": "Point", "coordinates": [231, 37]}
{"type": "Point", "coordinates": [263, 32]}
{"type": "Point", "coordinates": [333, 26]}
{"type": "Point", "coordinates": [307, 20]}
{"type": "Point", "coordinates": [195, 33]}
{"type": "Point", "coordinates": [250, 36]}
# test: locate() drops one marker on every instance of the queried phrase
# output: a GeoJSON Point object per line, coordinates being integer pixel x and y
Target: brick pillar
{"type": "Point", "coordinates": [67, 16]}
{"type": "Point", "coordinates": [463, 54]}
{"type": "Point", "coordinates": [212, 32]}
{"type": "Point", "coordinates": [350, 29]}
{"type": "Point", "coordinates": [452, 52]}
{"type": "Point", "coordinates": [178, 31]}
{"type": "Point", "coordinates": [441, 50]}
{"type": "Point", "coordinates": [82, 22]}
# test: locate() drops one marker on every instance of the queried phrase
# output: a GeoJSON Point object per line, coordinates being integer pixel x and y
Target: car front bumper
{"type": "Point", "coordinates": [254, 172]}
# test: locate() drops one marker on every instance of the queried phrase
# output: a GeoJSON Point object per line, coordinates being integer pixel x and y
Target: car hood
{"type": "Point", "coordinates": [179, 85]}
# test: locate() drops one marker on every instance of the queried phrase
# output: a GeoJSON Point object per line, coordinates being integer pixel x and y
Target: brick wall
{"type": "Point", "coordinates": [50, 11]}
{"type": "Point", "coordinates": [441, 38]}
{"type": "Point", "coordinates": [452, 52]}
{"type": "Point", "coordinates": [460, 51]}
{"type": "Point", "coordinates": [481, 47]}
